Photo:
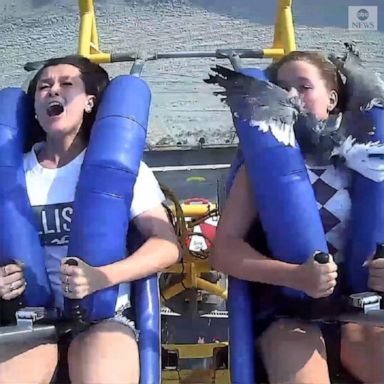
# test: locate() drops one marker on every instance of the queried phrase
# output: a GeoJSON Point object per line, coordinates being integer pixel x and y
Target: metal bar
{"type": "Point", "coordinates": [137, 67]}
{"type": "Point", "coordinates": [230, 54]}
{"type": "Point", "coordinates": [100, 58]}
{"type": "Point", "coordinates": [284, 37]}
{"type": "Point", "coordinates": [212, 288]}
{"type": "Point", "coordinates": [218, 54]}
{"type": "Point", "coordinates": [236, 63]}
{"type": "Point", "coordinates": [167, 168]}
{"type": "Point", "coordinates": [176, 268]}
{"type": "Point", "coordinates": [122, 57]}
{"type": "Point", "coordinates": [85, 34]}
{"type": "Point", "coordinates": [172, 291]}
{"type": "Point", "coordinates": [182, 55]}
{"type": "Point", "coordinates": [348, 314]}
{"type": "Point", "coordinates": [86, 6]}
{"type": "Point", "coordinates": [284, 31]}
{"type": "Point", "coordinates": [16, 335]}
{"type": "Point", "coordinates": [196, 210]}
{"type": "Point", "coordinates": [277, 40]}
{"type": "Point", "coordinates": [287, 30]}
{"type": "Point", "coordinates": [95, 57]}
{"type": "Point", "coordinates": [372, 318]}
{"type": "Point", "coordinates": [94, 35]}
{"type": "Point", "coordinates": [216, 314]}
{"type": "Point", "coordinates": [242, 53]}
{"type": "Point", "coordinates": [273, 53]}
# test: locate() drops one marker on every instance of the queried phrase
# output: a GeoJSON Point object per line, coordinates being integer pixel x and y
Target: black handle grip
{"type": "Point", "coordinates": [379, 254]}
{"type": "Point", "coordinates": [74, 310]}
{"type": "Point", "coordinates": [71, 262]}
{"type": "Point", "coordinates": [322, 257]}
{"type": "Point", "coordinates": [326, 306]}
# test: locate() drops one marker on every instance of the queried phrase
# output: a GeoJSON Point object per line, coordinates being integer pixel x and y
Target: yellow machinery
{"type": "Point", "coordinates": [192, 269]}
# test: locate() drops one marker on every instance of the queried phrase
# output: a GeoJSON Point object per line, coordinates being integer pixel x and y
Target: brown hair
{"type": "Point", "coordinates": [328, 72]}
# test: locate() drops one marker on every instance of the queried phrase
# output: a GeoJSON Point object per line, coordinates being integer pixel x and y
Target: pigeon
{"type": "Point", "coordinates": [273, 109]}
{"type": "Point", "coordinates": [363, 87]}
{"type": "Point", "coordinates": [364, 90]}
{"type": "Point", "coordinates": [342, 139]}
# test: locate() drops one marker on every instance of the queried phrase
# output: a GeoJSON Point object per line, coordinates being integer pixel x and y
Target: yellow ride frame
{"type": "Point", "coordinates": [283, 42]}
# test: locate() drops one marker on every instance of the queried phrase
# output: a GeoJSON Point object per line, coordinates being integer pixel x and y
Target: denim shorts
{"type": "Point", "coordinates": [122, 318]}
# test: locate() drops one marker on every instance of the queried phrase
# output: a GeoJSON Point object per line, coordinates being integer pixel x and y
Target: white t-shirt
{"type": "Point", "coordinates": [51, 193]}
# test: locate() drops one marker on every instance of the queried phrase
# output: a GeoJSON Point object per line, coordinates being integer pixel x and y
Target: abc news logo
{"type": "Point", "coordinates": [362, 18]}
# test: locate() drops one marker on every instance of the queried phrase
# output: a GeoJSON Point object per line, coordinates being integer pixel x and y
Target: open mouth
{"type": "Point", "coordinates": [55, 108]}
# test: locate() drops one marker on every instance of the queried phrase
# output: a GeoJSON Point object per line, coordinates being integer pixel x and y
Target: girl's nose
{"type": "Point", "coordinates": [54, 90]}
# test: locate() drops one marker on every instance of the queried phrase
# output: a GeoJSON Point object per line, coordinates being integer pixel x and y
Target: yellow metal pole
{"type": "Point", "coordinates": [85, 34]}
{"type": "Point", "coordinates": [172, 291]}
{"type": "Point", "coordinates": [99, 58]}
{"type": "Point", "coordinates": [277, 30]}
{"type": "Point", "coordinates": [196, 210]}
{"type": "Point", "coordinates": [86, 8]}
{"type": "Point", "coordinates": [212, 288]}
{"type": "Point", "coordinates": [88, 37]}
{"type": "Point", "coordinates": [284, 33]}
{"type": "Point", "coordinates": [94, 35]}
{"type": "Point", "coordinates": [175, 268]}
{"type": "Point", "coordinates": [288, 30]}
{"type": "Point", "coordinates": [273, 53]}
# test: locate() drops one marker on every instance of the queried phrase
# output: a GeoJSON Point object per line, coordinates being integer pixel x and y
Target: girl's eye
{"type": "Point", "coordinates": [305, 87]}
{"type": "Point", "coordinates": [67, 83]}
{"type": "Point", "coordinates": [43, 87]}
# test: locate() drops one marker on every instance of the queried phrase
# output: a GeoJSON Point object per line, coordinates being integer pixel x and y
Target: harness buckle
{"type": "Point", "coordinates": [367, 301]}
{"type": "Point", "coordinates": [26, 317]}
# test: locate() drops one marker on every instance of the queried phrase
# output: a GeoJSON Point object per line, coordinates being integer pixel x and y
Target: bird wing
{"type": "Point", "coordinates": [358, 125]}
{"type": "Point", "coordinates": [262, 103]}
{"type": "Point", "coordinates": [364, 158]}
{"type": "Point", "coordinates": [362, 85]}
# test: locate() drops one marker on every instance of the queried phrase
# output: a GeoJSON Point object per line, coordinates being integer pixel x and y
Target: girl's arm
{"type": "Point", "coordinates": [233, 255]}
{"type": "Point", "coordinates": [159, 251]}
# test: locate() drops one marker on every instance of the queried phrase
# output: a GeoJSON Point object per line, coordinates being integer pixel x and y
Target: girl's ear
{"type": "Point", "coordinates": [333, 99]}
{"type": "Point", "coordinates": [90, 104]}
